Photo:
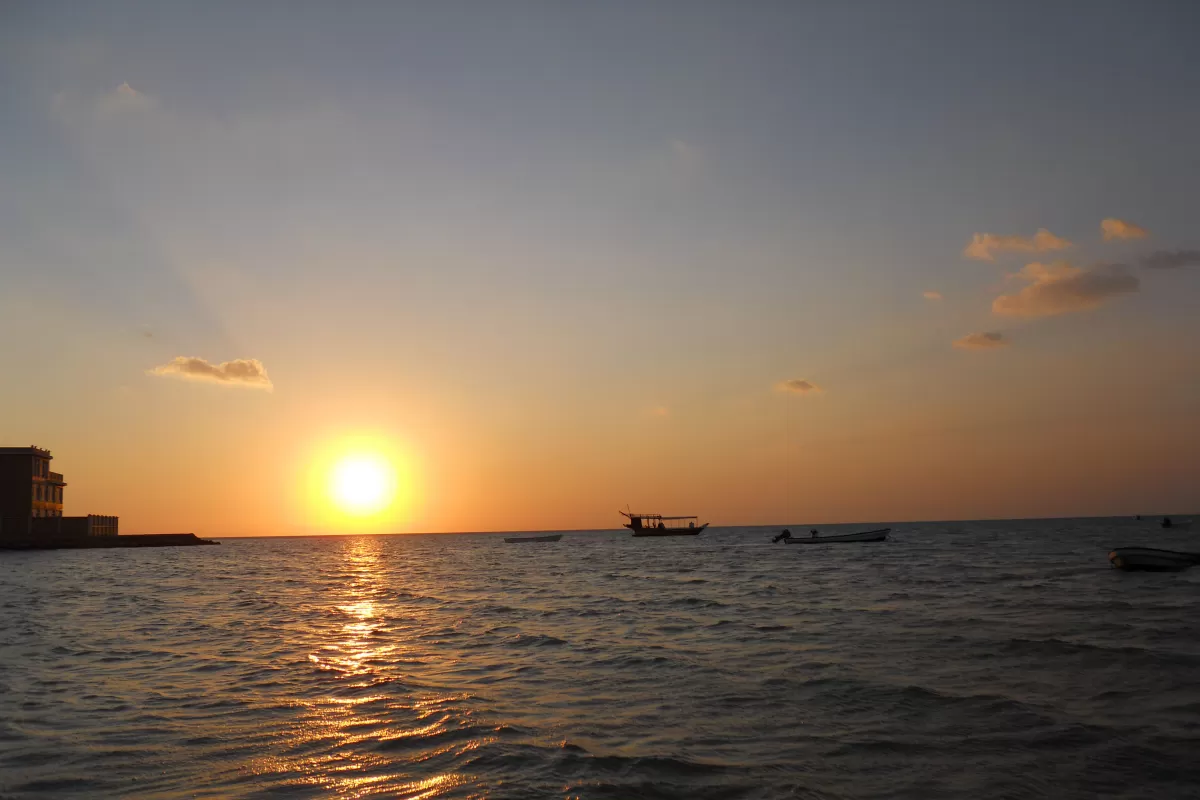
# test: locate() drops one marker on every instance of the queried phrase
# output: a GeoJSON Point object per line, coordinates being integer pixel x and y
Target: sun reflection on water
{"type": "Point", "coordinates": [357, 727]}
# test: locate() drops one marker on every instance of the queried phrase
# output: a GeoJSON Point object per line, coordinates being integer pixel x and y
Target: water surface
{"type": "Point", "coordinates": [999, 659]}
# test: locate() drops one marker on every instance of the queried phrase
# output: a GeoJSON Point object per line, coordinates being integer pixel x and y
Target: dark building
{"type": "Point", "coordinates": [31, 500]}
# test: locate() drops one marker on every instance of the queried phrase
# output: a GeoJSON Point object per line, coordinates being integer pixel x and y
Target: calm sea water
{"type": "Point", "coordinates": [1000, 659]}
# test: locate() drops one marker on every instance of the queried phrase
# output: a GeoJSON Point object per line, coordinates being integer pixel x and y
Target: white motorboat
{"type": "Point", "coordinates": [863, 536]}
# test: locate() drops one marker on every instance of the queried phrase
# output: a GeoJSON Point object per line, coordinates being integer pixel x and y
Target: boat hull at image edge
{"type": "Point", "coordinates": [1151, 559]}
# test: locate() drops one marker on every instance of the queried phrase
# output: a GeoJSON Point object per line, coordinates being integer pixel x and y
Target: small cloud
{"type": "Point", "coordinates": [982, 341]}
{"type": "Point", "coordinates": [78, 108]}
{"type": "Point", "coordinates": [1060, 288]}
{"type": "Point", "coordinates": [984, 246]}
{"type": "Point", "coordinates": [685, 161]}
{"type": "Point", "coordinates": [1113, 228]}
{"type": "Point", "coordinates": [797, 386]}
{"type": "Point", "coordinates": [659, 411]}
{"type": "Point", "coordinates": [931, 295]}
{"type": "Point", "coordinates": [123, 98]}
{"type": "Point", "coordinates": [247, 372]}
{"type": "Point", "coordinates": [1172, 259]}
{"type": "Point", "coordinates": [687, 158]}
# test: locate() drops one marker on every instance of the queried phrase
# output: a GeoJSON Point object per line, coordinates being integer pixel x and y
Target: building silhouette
{"type": "Point", "coordinates": [31, 501]}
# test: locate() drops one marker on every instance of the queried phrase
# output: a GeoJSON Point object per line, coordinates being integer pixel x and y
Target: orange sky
{"type": "Point", "coordinates": [774, 266]}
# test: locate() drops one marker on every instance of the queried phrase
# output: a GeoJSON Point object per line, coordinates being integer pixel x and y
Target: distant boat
{"type": "Point", "coordinates": [658, 525]}
{"type": "Point", "coordinates": [1182, 524]}
{"type": "Point", "coordinates": [553, 537]}
{"type": "Point", "coordinates": [864, 536]}
{"type": "Point", "coordinates": [1151, 559]}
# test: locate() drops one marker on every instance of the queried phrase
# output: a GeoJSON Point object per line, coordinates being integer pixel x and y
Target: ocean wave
{"type": "Point", "coordinates": [452, 667]}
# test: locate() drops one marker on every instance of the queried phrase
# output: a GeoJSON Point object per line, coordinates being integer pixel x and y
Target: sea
{"type": "Point", "coordinates": [1000, 659]}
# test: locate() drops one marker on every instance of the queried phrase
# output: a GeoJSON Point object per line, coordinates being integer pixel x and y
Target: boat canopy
{"type": "Point", "coordinates": [640, 522]}
{"type": "Point", "coordinates": [655, 516]}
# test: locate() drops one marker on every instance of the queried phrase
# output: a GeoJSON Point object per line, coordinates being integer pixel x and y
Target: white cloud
{"type": "Point", "coordinates": [247, 372]}
{"type": "Point", "coordinates": [984, 246]}
{"type": "Point", "coordinates": [1113, 228]}
{"type": "Point", "coordinates": [687, 160]}
{"type": "Point", "coordinates": [982, 341]}
{"type": "Point", "coordinates": [798, 386]}
{"type": "Point", "coordinates": [123, 98]}
{"type": "Point", "coordinates": [1060, 288]}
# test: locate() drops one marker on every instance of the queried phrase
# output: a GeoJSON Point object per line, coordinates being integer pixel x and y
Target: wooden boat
{"type": "Point", "coordinates": [1151, 559]}
{"type": "Point", "coordinates": [863, 536]}
{"type": "Point", "coordinates": [552, 537]}
{"type": "Point", "coordinates": [658, 525]}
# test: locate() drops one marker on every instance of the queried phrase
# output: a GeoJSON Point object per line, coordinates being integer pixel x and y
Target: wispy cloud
{"type": "Point", "coordinates": [984, 246]}
{"type": "Point", "coordinates": [932, 295]}
{"type": "Point", "coordinates": [982, 341]}
{"type": "Point", "coordinates": [1113, 229]}
{"type": "Point", "coordinates": [124, 98]}
{"type": "Point", "coordinates": [1172, 259]}
{"type": "Point", "coordinates": [79, 109]}
{"type": "Point", "coordinates": [247, 372]}
{"type": "Point", "coordinates": [1060, 288]}
{"type": "Point", "coordinates": [688, 157]}
{"type": "Point", "coordinates": [798, 386]}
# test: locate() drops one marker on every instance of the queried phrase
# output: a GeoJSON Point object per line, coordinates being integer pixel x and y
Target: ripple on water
{"type": "Point", "coordinates": [602, 667]}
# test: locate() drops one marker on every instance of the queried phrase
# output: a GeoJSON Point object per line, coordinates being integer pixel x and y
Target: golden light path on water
{"type": "Point", "coordinates": [354, 729]}
{"type": "Point", "coordinates": [602, 666]}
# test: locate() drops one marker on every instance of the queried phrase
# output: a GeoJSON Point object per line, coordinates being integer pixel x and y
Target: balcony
{"type": "Point", "coordinates": [54, 477]}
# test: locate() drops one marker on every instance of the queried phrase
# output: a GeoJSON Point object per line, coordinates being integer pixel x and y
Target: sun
{"type": "Point", "coordinates": [359, 482]}
{"type": "Point", "coordinates": [362, 485]}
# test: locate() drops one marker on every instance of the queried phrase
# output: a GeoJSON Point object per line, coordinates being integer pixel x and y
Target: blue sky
{"type": "Point", "coordinates": [547, 227]}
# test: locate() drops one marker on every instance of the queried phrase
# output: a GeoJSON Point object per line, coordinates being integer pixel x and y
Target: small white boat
{"type": "Point", "coordinates": [863, 536]}
{"type": "Point", "coordinates": [553, 537]}
{"type": "Point", "coordinates": [1151, 559]}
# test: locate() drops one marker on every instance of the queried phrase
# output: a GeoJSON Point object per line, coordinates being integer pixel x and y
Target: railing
{"type": "Point", "coordinates": [100, 525]}
{"type": "Point", "coordinates": [56, 476]}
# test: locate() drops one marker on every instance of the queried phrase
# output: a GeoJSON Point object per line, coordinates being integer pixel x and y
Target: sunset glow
{"type": "Point", "coordinates": [358, 483]}
{"type": "Point", "coordinates": [362, 484]}
{"type": "Point", "coordinates": [504, 281]}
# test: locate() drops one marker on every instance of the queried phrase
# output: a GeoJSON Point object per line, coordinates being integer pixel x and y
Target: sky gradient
{"type": "Point", "coordinates": [757, 262]}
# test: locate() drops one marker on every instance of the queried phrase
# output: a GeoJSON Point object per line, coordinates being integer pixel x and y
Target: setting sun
{"type": "Point", "coordinates": [364, 482]}
{"type": "Point", "coordinates": [362, 485]}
